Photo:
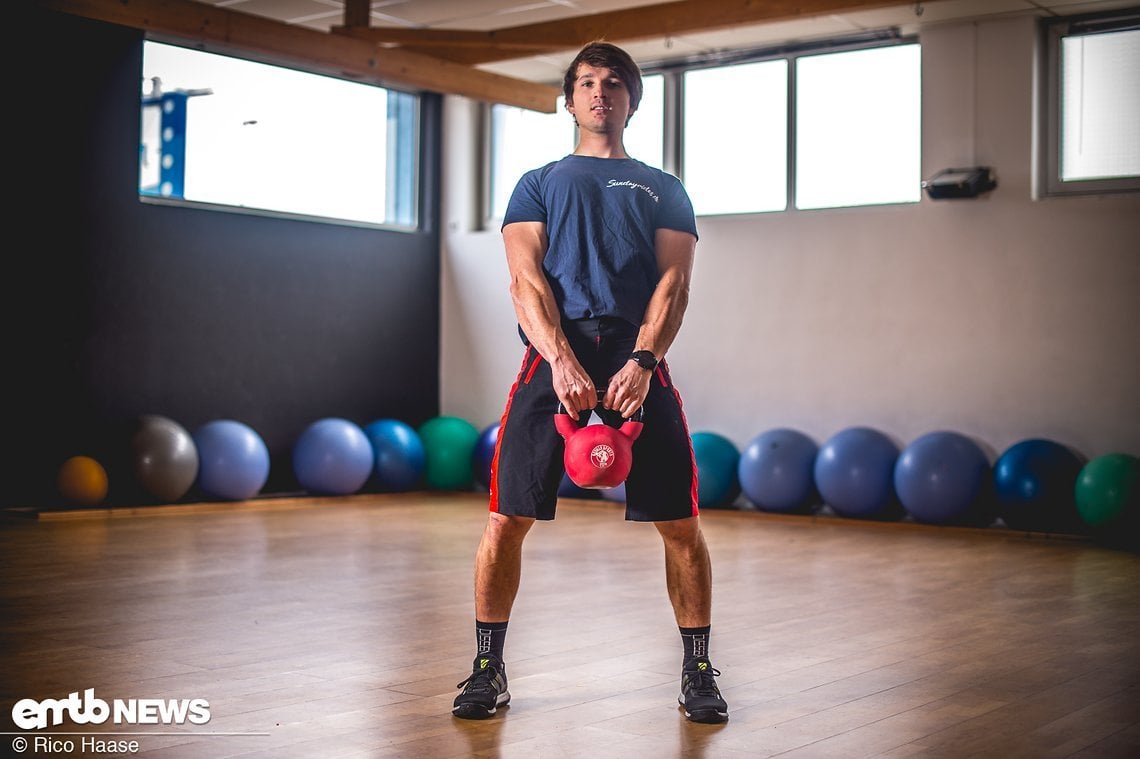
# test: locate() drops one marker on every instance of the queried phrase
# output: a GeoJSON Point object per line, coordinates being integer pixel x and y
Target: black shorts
{"type": "Point", "coordinates": [527, 467]}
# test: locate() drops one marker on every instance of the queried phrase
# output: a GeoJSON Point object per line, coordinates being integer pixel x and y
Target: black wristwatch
{"type": "Point", "coordinates": [644, 359]}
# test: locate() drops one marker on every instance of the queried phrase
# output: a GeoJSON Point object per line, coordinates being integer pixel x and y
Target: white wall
{"type": "Point", "coordinates": [1001, 317]}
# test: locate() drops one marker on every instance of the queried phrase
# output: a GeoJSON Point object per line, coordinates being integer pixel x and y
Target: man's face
{"type": "Point", "coordinates": [601, 100]}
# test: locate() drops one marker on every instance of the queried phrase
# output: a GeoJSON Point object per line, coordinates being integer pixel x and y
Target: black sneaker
{"type": "Point", "coordinates": [484, 692]}
{"type": "Point", "coordinates": [699, 694]}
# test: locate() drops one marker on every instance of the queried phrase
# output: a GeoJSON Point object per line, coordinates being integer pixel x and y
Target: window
{"type": "Point", "coordinates": [735, 154]}
{"type": "Point", "coordinates": [229, 132]}
{"type": "Point", "coordinates": [645, 135]}
{"type": "Point", "coordinates": [1093, 105]}
{"type": "Point", "coordinates": [854, 115]}
{"type": "Point", "coordinates": [827, 129]}
{"type": "Point", "coordinates": [522, 140]}
{"type": "Point", "coordinates": [858, 128]}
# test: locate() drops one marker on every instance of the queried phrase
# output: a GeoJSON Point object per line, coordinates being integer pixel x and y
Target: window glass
{"type": "Point", "coordinates": [231, 132]}
{"type": "Point", "coordinates": [645, 135]}
{"type": "Point", "coordinates": [1100, 105]}
{"type": "Point", "coordinates": [858, 127]}
{"type": "Point", "coordinates": [735, 153]}
{"type": "Point", "coordinates": [522, 140]}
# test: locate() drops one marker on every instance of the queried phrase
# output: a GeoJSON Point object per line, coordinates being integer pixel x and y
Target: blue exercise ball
{"type": "Point", "coordinates": [164, 456]}
{"type": "Point", "coordinates": [332, 457]}
{"type": "Point", "coordinates": [233, 460]}
{"type": "Point", "coordinates": [775, 470]}
{"type": "Point", "coordinates": [615, 494]}
{"type": "Point", "coordinates": [484, 454]}
{"type": "Point", "coordinates": [1035, 482]}
{"type": "Point", "coordinates": [398, 454]}
{"type": "Point", "coordinates": [940, 478]}
{"type": "Point", "coordinates": [718, 460]}
{"type": "Point", "coordinates": [570, 489]}
{"type": "Point", "coordinates": [854, 472]}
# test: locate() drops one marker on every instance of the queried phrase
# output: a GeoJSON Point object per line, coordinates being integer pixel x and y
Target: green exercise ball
{"type": "Point", "coordinates": [449, 443]}
{"type": "Point", "coordinates": [1108, 491]}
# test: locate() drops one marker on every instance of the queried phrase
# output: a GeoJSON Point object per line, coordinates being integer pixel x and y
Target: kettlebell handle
{"type": "Point", "coordinates": [631, 427]}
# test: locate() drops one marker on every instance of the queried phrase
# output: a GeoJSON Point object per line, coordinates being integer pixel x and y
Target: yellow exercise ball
{"type": "Point", "coordinates": [83, 480]}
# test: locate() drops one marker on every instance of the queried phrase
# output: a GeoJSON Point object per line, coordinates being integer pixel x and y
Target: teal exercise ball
{"type": "Point", "coordinates": [718, 461]}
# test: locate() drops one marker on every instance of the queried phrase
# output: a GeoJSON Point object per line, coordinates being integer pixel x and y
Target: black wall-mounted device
{"type": "Point", "coordinates": [960, 183]}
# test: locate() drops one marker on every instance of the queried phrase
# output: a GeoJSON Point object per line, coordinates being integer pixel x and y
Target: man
{"type": "Point", "coordinates": [600, 251]}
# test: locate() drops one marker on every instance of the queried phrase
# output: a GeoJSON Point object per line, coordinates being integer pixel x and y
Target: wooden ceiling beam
{"type": "Point", "coordinates": [630, 24]}
{"type": "Point", "coordinates": [219, 30]}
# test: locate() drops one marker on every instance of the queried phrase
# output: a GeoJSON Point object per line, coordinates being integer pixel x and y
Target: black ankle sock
{"type": "Point", "coordinates": [696, 641]}
{"type": "Point", "coordinates": [490, 637]}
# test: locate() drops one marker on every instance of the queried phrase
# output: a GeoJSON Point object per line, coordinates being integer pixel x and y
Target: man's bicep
{"type": "Point", "coordinates": [525, 242]}
{"type": "Point", "coordinates": [675, 251]}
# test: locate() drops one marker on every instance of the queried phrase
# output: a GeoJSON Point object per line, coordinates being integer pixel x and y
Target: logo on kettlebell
{"type": "Point", "coordinates": [602, 456]}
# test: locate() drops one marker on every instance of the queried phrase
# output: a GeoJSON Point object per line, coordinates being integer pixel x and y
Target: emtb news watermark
{"type": "Point", "coordinates": [89, 709]}
{"type": "Point", "coordinates": [29, 714]}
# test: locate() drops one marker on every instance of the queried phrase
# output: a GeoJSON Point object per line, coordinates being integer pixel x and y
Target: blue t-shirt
{"type": "Point", "coordinates": [601, 216]}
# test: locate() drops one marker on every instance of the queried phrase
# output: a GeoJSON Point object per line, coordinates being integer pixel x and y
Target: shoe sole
{"type": "Point", "coordinates": [709, 717]}
{"type": "Point", "coordinates": [475, 711]}
{"type": "Point", "coordinates": [704, 716]}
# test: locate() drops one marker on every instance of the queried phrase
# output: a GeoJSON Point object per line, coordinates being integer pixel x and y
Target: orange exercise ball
{"type": "Point", "coordinates": [82, 480]}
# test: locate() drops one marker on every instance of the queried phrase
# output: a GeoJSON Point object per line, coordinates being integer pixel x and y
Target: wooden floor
{"type": "Point", "coordinates": [339, 628]}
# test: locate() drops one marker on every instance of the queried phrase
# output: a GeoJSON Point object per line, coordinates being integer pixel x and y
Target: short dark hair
{"type": "Point", "coordinates": [605, 55]}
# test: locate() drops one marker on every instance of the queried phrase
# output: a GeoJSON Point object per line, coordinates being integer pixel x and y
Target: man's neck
{"type": "Point", "coordinates": [600, 146]}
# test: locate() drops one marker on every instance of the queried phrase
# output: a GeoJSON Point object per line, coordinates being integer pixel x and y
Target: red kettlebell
{"type": "Point", "coordinates": [598, 456]}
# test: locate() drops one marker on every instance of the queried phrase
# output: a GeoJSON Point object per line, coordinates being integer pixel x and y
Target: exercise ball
{"type": "Point", "coordinates": [570, 489]}
{"type": "Point", "coordinates": [854, 472]}
{"type": "Point", "coordinates": [616, 494]}
{"type": "Point", "coordinates": [398, 453]}
{"type": "Point", "coordinates": [775, 470]}
{"type": "Point", "coordinates": [82, 480]}
{"type": "Point", "coordinates": [939, 478]}
{"type": "Point", "coordinates": [332, 456]}
{"type": "Point", "coordinates": [1034, 483]}
{"type": "Point", "coordinates": [483, 454]}
{"type": "Point", "coordinates": [164, 456]}
{"type": "Point", "coordinates": [233, 461]}
{"type": "Point", "coordinates": [718, 460]}
{"type": "Point", "coordinates": [449, 442]}
{"type": "Point", "coordinates": [1107, 492]}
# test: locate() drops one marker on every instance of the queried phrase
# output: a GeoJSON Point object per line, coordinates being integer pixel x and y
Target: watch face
{"type": "Point", "coordinates": [644, 359]}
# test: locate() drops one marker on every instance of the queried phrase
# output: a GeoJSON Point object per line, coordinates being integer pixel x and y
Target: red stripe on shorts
{"type": "Point", "coordinates": [661, 369]}
{"type": "Point", "coordinates": [494, 500]}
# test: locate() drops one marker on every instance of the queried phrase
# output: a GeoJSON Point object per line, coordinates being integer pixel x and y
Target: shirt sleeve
{"type": "Point", "coordinates": [526, 203]}
{"type": "Point", "coordinates": [676, 208]}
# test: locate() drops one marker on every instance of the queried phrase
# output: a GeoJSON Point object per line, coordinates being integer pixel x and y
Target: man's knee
{"type": "Point", "coordinates": [680, 532]}
{"type": "Point", "coordinates": [507, 530]}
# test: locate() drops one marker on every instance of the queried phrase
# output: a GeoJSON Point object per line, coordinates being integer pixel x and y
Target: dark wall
{"type": "Point", "coordinates": [115, 309]}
